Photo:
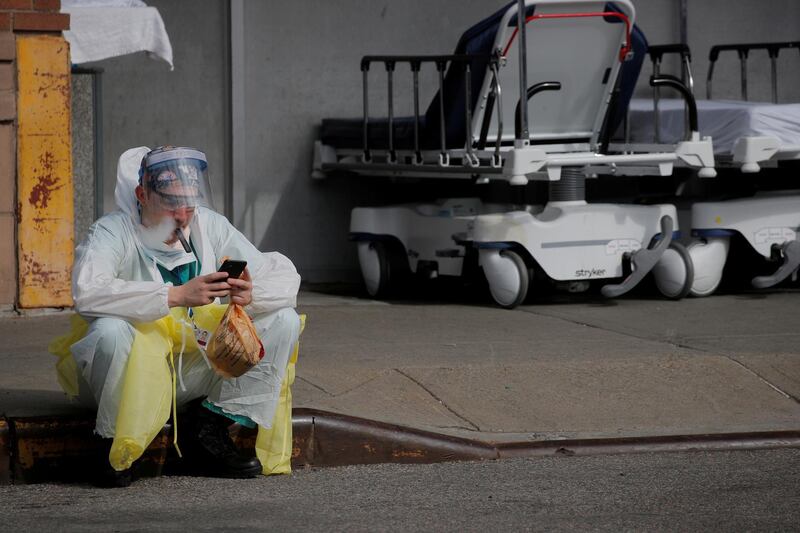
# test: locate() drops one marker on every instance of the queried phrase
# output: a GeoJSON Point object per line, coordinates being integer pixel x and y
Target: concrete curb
{"type": "Point", "coordinates": [5, 453]}
{"type": "Point", "coordinates": [38, 449]}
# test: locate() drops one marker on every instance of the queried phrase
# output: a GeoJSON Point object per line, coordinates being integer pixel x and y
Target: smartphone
{"type": "Point", "coordinates": [233, 267]}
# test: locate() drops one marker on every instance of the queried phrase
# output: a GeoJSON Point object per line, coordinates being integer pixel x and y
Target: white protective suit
{"type": "Point", "coordinates": [116, 282]}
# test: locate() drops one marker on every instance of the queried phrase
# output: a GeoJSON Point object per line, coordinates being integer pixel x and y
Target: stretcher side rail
{"type": "Point", "coordinates": [518, 154]}
{"type": "Point", "coordinates": [657, 53]}
{"type": "Point", "coordinates": [750, 152]}
{"type": "Point", "coordinates": [535, 161]}
{"type": "Point", "coordinates": [743, 51]}
{"type": "Point", "coordinates": [693, 151]}
{"type": "Point", "coordinates": [415, 62]}
{"type": "Point", "coordinates": [665, 80]}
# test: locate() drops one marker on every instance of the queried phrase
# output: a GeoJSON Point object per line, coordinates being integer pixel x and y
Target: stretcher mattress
{"type": "Point", "coordinates": [724, 120]}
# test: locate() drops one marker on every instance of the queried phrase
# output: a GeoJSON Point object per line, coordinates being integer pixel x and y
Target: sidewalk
{"type": "Point", "coordinates": [573, 368]}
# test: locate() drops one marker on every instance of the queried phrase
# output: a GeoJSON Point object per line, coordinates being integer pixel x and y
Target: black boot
{"type": "Point", "coordinates": [207, 447]}
{"type": "Point", "coordinates": [103, 475]}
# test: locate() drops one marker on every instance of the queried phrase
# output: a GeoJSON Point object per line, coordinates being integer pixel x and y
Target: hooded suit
{"type": "Point", "coordinates": [116, 283]}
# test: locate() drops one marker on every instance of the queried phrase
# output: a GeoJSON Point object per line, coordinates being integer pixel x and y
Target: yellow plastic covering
{"type": "Point", "coordinates": [274, 446]}
{"type": "Point", "coordinates": [66, 369]}
{"type": "Point", "coordinates": [148, 389]}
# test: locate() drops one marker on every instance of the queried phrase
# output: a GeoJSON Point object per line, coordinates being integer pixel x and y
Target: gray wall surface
{"type": "Point", "coordinates": [302, 65]}
{"type": "Point", "coordinates": [83, 153]}
{"type": "Point", "coordinates": [299, 63]}
{"type": "Point", "coordinates": [745, 21]}
{"type": "Point", "coordinates": [712, 22]}
{"type": "Point", "coordinates": [146, 104]}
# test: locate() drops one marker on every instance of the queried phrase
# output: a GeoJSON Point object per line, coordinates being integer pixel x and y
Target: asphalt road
{"type": "Point", "coordinates": [719, 491]}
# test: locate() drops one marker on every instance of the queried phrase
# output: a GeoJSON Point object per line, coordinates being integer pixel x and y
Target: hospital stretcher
{"type": "Point", "coordinates": [747, 136]}
{"type": "Point", "coordinates": [576, 59]}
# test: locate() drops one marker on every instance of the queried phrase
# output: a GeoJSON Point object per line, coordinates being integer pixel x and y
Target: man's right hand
{"type": "Point", "coordinates": [200, 290]}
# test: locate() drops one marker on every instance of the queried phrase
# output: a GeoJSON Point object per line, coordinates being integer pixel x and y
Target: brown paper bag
{"type": "Point", "coordinates": [234, 347]}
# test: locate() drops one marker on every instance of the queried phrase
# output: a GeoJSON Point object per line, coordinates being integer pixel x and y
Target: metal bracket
{"type": "Point", "coordinates": [791, 260]}
{"type": "Point", "coordinates": [642, 261]}
{"type": "Point", "coordinates": [698, 152]}
{"type": "Point", "coordinates": [749, 151]}
{"type": "Point", "coordinates": [521, 161]}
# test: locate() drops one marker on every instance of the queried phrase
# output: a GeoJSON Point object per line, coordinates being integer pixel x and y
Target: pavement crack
{"type": "Point", "coordinates": [346, 391]}
{"type": "Point", "coordinates": [435, 397]}
{"type": "Point", "coordinates": [370, 380]}
{"type": "Point", "coordinates": [777, 389]}
{"type": "Point", "coordinates": [675, 343]}
{"type": "Point", "coordinates": [305, 380]}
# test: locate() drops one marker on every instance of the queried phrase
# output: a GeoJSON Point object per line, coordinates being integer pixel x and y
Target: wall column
{"type": "Point", "coordinates": [8, 170]}
{"type": "Point", "coordinates": [36, 190]}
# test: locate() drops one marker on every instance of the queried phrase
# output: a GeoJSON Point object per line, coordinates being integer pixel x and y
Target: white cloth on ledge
{"type": "Point", "coordinates": [101, 32]}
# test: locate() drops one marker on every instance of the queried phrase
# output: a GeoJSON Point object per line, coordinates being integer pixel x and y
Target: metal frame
{"type": "Point", "coordinates": [750, 152]}
{"type": "Point", "coordinates": [656, 54]}
{"type": "Point", "coordinates": [521, 161]}
{"type": "Point", "coordinates": [415, 63]}
{"type": "Point", "coordinates": [743, 51]}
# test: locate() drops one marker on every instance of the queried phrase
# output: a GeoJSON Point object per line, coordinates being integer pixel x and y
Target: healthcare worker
{"type": "Point", "coordinates": [134, 267]}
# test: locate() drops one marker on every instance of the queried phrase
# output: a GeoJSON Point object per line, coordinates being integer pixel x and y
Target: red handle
{"type": "Point", "coordinates": [622, 53]}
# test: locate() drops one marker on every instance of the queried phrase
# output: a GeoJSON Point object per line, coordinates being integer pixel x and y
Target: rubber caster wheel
{"type": "Point", "coordinates": [378, 268]}
{"type": "Point", "coordinates": [509, 279]}
{"type": "Point", "coordinates": [674, 272]}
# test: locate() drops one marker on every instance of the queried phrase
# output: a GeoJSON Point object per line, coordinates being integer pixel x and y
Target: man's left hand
{"type": "Point", "coordinates": [241, 288]}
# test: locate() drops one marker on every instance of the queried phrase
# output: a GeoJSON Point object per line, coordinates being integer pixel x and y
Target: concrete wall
{"type": "Point", "coordinates": [298, 64]}
{"type": "Point", "coordinates": [302, 64]}
{"type": "Point", "coordinates": [8, 171]}
{"type": "Point", "coordinates": [745, 21]}
{"type": "Point", "coordinates": [660, 22]}
{"type": "Point", "coordinates": [83, 171]}
{"type": "Point", "coordinates": [712, 22]}
{"type": "Point", "coordinates": [144, 103]}
{"type": "Point", "coordinates": [301, 61]}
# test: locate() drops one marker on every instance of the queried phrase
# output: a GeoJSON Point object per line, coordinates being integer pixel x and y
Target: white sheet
{"type": "Point", "coordinates": [724, 120]}
{"type": "Point", "coordinates": [102, 3]}
{"type": "Point", "coordinates": [101, 32]}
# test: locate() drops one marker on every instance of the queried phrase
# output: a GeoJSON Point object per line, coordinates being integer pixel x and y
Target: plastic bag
{"type": "Point", "coordinates": [274, 446]}
{"type": "Point", "coordinates": [234, 347]}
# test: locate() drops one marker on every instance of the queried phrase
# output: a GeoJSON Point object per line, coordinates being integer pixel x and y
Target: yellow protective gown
{"type": "Point", "coordinates": [149, 387]}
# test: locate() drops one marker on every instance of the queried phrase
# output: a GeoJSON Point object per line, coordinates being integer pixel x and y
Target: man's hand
{"type": "Point", "coordinates": [241, 288]}
{"type": "Point", "coordinates": [200, 290]}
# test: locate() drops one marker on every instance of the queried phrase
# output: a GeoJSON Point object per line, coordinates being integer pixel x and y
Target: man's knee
{"type": "Point", "coordinates": [103, 352]}
{"type": "Point", "coordinates": [114, 335]}
{"type": "Point", "coordinates": [281, 326]}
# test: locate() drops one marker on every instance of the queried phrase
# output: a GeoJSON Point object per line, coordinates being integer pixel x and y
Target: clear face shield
{"type": "Point", "coordinates": [176, 178]}
{"type": "Point", "coordinates": [175, 181]}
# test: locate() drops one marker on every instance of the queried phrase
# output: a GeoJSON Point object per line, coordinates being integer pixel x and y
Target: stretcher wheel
{"type": "Point", "coordinates": [674, 272]}
{"type": "Point", "coordinates": [377, 268]}
{"type": "Point", "coordinates": [708, 256]}
{"type": "Point", "coordinates": [509, 280]}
